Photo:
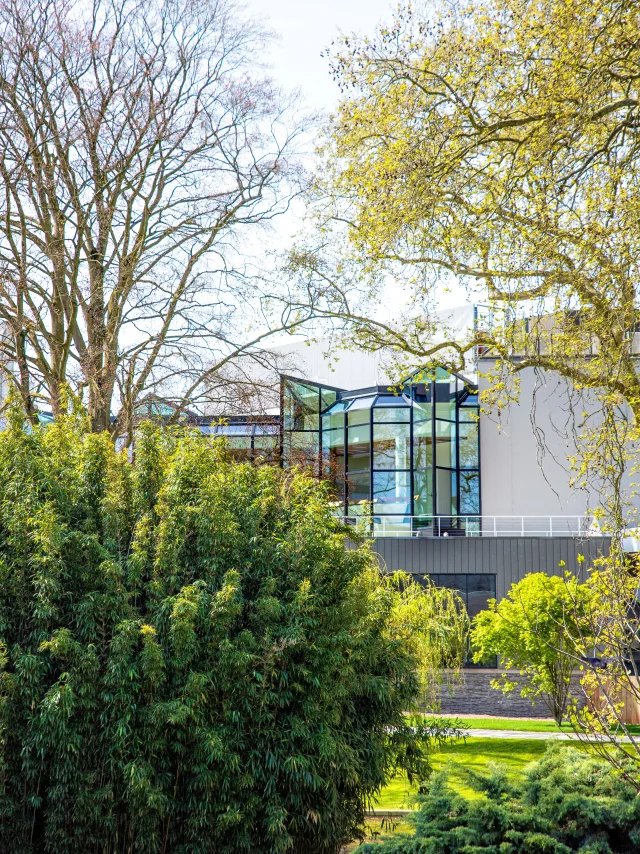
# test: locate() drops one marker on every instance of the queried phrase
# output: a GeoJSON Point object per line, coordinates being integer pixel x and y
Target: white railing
{"type": "Point", "coordinates": [375, 525]}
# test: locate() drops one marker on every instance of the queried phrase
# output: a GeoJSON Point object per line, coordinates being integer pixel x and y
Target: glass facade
{"type": "Point", "coordinates": [405, 458]}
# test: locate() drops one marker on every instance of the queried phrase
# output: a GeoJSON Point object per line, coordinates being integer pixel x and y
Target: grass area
{"type": "Point", "coordinates": [474, 754]}
{"type": "Point", "coordinates": [516, 724]}
{"type": "Point", "coordinates": [377, 827]}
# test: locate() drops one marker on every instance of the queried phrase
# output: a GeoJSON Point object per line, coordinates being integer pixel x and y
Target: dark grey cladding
{"type": "Point", "coordinates": [509, 558]}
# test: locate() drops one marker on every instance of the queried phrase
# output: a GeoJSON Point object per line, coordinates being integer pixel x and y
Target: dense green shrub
{"type": "Point", "coordinates": [191, 661]}
{"type": "Point", "coordinates": [567, 802]}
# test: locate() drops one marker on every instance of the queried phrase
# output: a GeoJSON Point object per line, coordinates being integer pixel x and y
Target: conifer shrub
{"type": "Point", "coordinates": [567, 802]}
{"type": "Point", "coordinates": [190, 658]}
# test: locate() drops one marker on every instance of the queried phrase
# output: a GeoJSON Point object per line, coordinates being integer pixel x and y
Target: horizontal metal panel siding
{"type": "Point", "coordinates": [510, 558]}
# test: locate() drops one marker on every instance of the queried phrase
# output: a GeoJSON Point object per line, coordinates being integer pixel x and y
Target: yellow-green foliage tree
{"type": "Point", "coordinates": [498, 143]}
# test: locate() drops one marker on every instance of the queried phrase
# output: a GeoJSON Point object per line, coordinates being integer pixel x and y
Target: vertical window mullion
{"type": "Point", "coordinates": [411, 481]}
{"type": "Point", "coordinates": [434, 500]}
{"type": "Point", "coordinates": [371, 456]}
{"type": "Point", "coordinates": [345, 487]}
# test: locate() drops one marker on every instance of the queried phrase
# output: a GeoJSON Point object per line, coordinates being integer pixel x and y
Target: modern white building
{"type": "Point", "coordinates": [444, 489]}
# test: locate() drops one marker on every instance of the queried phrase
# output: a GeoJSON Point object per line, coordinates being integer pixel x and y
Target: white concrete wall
{"type": "Point", "coordinates": [320, 362]}
{"type": "Point", "coordinates": [518, 476]}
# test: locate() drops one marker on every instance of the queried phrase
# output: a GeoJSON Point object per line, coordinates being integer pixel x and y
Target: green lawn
{"type": "Point", "coordinates": [474, 754]}
{"type": "Point", "coordinates": [515, 724]}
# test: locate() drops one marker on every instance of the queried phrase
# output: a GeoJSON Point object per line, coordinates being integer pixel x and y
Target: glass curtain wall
{"type": "Point", "coordinates": [400, 459]}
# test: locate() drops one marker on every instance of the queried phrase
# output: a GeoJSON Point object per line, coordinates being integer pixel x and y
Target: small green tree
{"type": "Point", "coordinates": [535, 629]}
{"type": "Point", "coordinates": [190, 658]}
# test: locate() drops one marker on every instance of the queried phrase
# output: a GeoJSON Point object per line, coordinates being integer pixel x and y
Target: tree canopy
{"type": "Point", "coordinates": [495, 143]}
{"type": "Point", "coordinates": [540, 629]}
{"type": "Point", "coordinates": [190, 658]}
{"type": "Point", "coordinates": [141, 147]}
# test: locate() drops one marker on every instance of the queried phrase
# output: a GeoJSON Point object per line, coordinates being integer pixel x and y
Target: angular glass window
{"type": "Point", "coordinates": [469, 450]}
{"type": "Point", "coordinates": [422, 412]}
{"type": "Point", "coordinates": [469, 493]}
{"type": "Point", "coordinates": [446, 444]}
{"type": "Point", "coordinates": [327, 397]}
{"type": "Point", "coordinates": [446, 492]}
{"type": "Point", "coordinates": [334, 417]}
{"type": "Point", "coordinates": [445, 394]}
{"type": "Point", "coordinates": [391, 446]}
{"type": "Point", "coordinates": [359, 448]}
{"type": "Point", "coordinates": [392, 492]}
{"type": "Point", "coordinates": [359, 411]}
{"type": "Point", "coordinates": [423, 493]}
{"type": "Point", "coordinates": [301, 406]}
{"type": "Point", "coordinates": [423, 444]}
{"type": "Point", "coordinates": [392, 400]}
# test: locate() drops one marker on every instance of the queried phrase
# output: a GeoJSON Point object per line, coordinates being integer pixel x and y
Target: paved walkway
{"type": "Point", "coordinates": [543, 736]}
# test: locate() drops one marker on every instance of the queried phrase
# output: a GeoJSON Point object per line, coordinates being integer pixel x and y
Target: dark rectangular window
{"type": "Point", "coordinates": [475, 591]}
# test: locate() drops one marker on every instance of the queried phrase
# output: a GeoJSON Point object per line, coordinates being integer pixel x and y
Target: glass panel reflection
{"type": "Point", "coordinates": [422, 445]}
{"type": "Point", "coordinates": [359, 448]}
{"type": "Point", "coordinates": [469, 493]}
{"type": "Point", "coordinates": [302, 449]}
{"type": "Point", "coordinates": [390, 526]}
{"type": "Point", "coordinates": [392, 492]}
{"type": "Point", "coordinates": [301, 406]}
{"type": "Point", "coordinates": [399, 414]}
{"type": "Point", "coordinates": [358, 488]}
{"type": "Point", "coordinates": [445, 401]}
{"type": "Point", "coordinates": [422, 412]}
{"type": "Point", "coordinates": [423, 492]}
{"type": "Point", "coordinates": [333, 454]}
{"type": "Point", "coordinates": [391, 446]}
{"type": "Point", "coordinates": [334, 417]}
{"type": "Point", "coordinates": [446, 493]}
{"type": "Point", "coordinates": [469, 446]}
{"type": "Point", "coordinates": [445, 444]}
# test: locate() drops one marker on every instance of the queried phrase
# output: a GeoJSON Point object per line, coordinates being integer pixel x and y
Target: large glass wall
{"type": "Point", "coordinates": [406, 460]}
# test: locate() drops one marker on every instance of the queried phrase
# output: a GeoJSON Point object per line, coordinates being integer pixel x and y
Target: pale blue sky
{"type": "Point", "coordinates": [306, 28]}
